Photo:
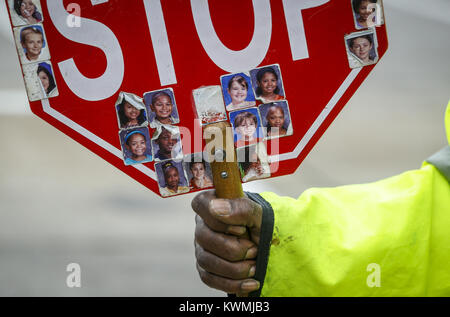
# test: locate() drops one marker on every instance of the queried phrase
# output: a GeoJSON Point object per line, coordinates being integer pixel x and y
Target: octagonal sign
{"type": "Point", "coordinates": [135, 81]}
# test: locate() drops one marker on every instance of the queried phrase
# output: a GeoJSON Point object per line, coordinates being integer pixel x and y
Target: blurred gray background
{"type": "Point", "coordinates": [59, 203]}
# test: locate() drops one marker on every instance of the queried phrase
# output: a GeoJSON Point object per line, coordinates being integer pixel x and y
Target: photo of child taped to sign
{"type": "Point", "coordinates": [198, 171]}
{"type": "Point", "coordinates": [161, 106]}
{"type": "Point", "coordinates": [136, 146]}
{"type": "Point", "coordinates": [40, 81]}
{"type": "Point", "coordinates": [361, 48]}
{"type": "Point", "coordinates": [237, 91]}
{"type": "Point", "coordinates": [253, 162]}
{"type": "Point", "coordinates": [171, 178]}
{"type": "Point", "coordinates": [166, 143]}
{"type": "Point", "coordinates": [367, 13]}
{"type": "Point", "coordinates": [268, 83]}
{"type": "Point", "coordinates": [31, 44]}
{"type": "Point", "coordinates": [130, 111]}
{"type": "Point", "coordinates": [276, 119]}
{"type": "Point", "coordinates": [25, 12]}
{"type": "Point", "coordinates": [246, 127]}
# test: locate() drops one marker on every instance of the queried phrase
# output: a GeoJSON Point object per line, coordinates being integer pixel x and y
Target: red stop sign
{"type": "Point", "coordinates": [320, 52]}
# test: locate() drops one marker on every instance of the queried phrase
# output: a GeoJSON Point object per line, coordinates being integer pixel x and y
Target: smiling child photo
{"type": "Point", "coordinates": [237, 91]}
{"type": "Point", "coordinates": [268, 83]}
{"type": "Point", "coordinates": [130, 111]}
{"type": "Point", "coordinates": [246, 126]}
{"type": "Point", "coordinates": [136, 146]}
{"type": "Point", "coordinates": [161, 107]}
{"type": "Point", "coordinates": [31, 44]}
{"type": "Point", "coordinates": [361, 48]}
{"type": "Point", "coordinates": [367, 13]}
{"type": "Point", "coordinates": [25, 12]}
{"type": "Point", "coordinates": [276, 119]}
{"type": "Point", "coordinates": [198, 171]}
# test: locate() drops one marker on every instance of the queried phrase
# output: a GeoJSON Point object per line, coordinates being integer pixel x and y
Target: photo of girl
{"type": "Point", "coordinates": [39, 81]}
{"type": "Point", "coordinates": [171, 178]}
{"type": "Point", "coordinates": [130, 110]}
{"type": "Point", "coordinates": [198, 171]}
{"type": "Point", "coordinates": [25, 12]}
{"type": "Point", "coordinates": [367, 13]}
{"type": "Point", "coordinates": [237, 91]}
{"type": "Point", "coordinates": [135, 146]}
{"type": "Point", "coordinates": [31, 44]}
{"type": "Point", "coordinates": [276, 119]}
{"type": "Point", "coordinates": [361, 49]}
{"type": "Point", "coordinates": [247, 126]}
{"type": "Point", "coordinates": [167, 143]}
{"type": "Point", "coordinates": [45, 74]}
{"type": "Point", "coordinates": [161, 107]}
{"type": "Point", "coordinates": [268, 83]}
{"type": "Point", "coordinates": [253, 162]}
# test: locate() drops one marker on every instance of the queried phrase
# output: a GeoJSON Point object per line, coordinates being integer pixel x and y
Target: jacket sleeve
{"type": "Point", "coordinates": [388, 238]}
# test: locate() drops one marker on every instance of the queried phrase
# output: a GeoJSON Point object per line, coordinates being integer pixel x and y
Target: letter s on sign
{"type": "Point", "coordinates": [95, 34]}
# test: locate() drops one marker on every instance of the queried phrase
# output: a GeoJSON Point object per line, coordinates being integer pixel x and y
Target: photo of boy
{"type": "Point", "coordinates": [31, 44]}
{"type": "Point", "coordinates": [276, 119]}
{"type": "Point", "coordinates": [136, 146]}
{"type": "Point", "coordinates": [253, 162]}
{"type": "Point", "coordinates": [361, 48]}
{"type": "Point", "coordinates": [167, 143]}
{"type": "Point", "coordinates": [161, 107]}
{"type": "Point", "coordinates": [198, 171]}
{"type": "Point", "coordinates": [171, 178]}
{"type": "Point", "coordinates": [25, 12]}
{"type": "Point", "coordinates": [246, 126]}
{"type": "Point", "coordinates": [237, 91]}
{"type": "Point", "coordinates": [130, 111]}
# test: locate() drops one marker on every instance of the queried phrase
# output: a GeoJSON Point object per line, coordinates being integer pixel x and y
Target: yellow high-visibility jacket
{"type": "Point", "coordinates": [388, 238]}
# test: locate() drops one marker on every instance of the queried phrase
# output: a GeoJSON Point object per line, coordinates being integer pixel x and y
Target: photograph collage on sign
{"type": "Point", "coordinates": [178, 176]}
{"type": "Point", "coordinates": [362, 46]}
{"type": "Point", "coordinates": [148, 132]}
{"type": "Point", "coordinates": [134, 134]}
{"type": "Point", "coordinates": [33, 49]}
{"type": "Point", "coordinates": [258, 112]}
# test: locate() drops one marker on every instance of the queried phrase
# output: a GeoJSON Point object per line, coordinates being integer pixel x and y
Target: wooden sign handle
{"type": "Point", "coordinates": [220, 145]}
{"type": "Point", "coordinates": [227, 178]}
